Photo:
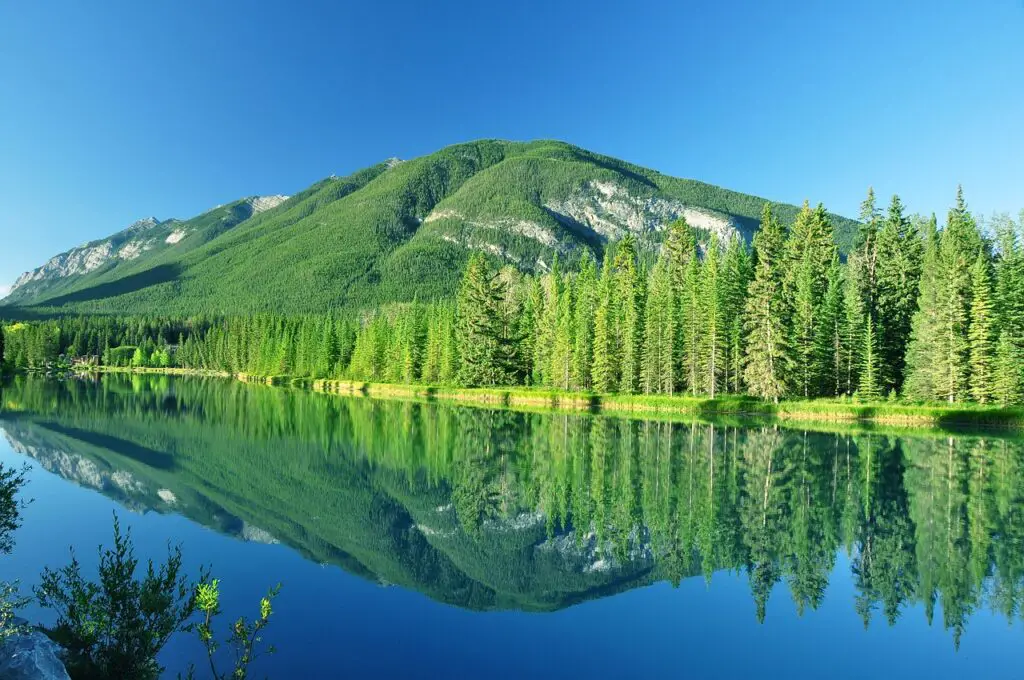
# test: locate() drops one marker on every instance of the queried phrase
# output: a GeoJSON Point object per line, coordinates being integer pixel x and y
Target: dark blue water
{"type": "Point", "coordinates": [418, 540]}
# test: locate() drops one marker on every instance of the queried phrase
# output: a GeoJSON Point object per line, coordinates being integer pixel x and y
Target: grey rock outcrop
{"type": "Point", "coordinates": [32, 656]}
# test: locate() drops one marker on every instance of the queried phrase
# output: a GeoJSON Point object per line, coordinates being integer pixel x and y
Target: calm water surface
{"type": "Point", "coordinates": [426, 540]}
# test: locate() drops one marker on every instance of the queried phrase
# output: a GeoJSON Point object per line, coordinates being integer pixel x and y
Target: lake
{"type": "Point", "coordinates": [431, 540]}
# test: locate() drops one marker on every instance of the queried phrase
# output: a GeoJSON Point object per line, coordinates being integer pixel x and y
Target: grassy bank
{"type": "Point", "coordinates": [896, 414]}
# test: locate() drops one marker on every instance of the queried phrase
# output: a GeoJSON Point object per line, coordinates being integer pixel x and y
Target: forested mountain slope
{"type": "Point", "coordinates": [392, 232]}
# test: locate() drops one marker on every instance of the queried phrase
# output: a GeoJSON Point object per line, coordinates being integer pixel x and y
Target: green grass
{"type": "Point", "coordinates": [361, 240]}
{"type": "Point", "coordinates": [897, 414]}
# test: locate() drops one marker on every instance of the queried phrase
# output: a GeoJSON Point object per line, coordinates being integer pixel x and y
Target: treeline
{"type": "Point", "coordinates": [916, 310]}
{"type": "Point", "coordinates": [139, 341]}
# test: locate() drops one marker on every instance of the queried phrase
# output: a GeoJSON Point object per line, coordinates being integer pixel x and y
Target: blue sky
{"type": "Point", "coordinates": [116, 110]}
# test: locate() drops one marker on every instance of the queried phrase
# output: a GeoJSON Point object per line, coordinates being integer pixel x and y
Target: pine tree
{"type": "Point", "coordinates": [681, 250]}
{"type": "Point", "coordinates": [869, 388]}
{"type": "Point", "coordinates": [1008, 379]}
{"type": "Point", "coordinates": [737, 273]}
{"type": "Point", "coordinates": [451, 359]}
{"type": "Point", "coordinates": [691, 324]}
{"type": "Point", "coordinates": [712, 354]}
{"type": "Point", "coordinates": [810, 251]}
{"type": "Point", "coordinates": [629, 295]}
{"type": "Point", "coordinates": [982, 335]}
{"type": "Point", "coordinates": [854, 320]}
{"type": "Point", "coordinates": [834, 320]}
{"type": "Point", "coordinates": [561, 355]}
{"type": "Point", "coordinates": [898, 272]}
{"type": "Point", "coordinates": [658, 355]}
{"type": "Point", "coordinates": [765, 314]}
{"type": "Point", "coordinates": [533, 309]}
{"type": "Point", "coordinates": [958, 244]}
{"type": "Point", "coordinates": [922, 381]}
{"type": "Point", "coordinates": [583, 319]}
{"type": "Point", "coordinates": [547, 326]}
{"type": "Point", "coordinates": [605, 370]}
{"type": "Point", "coordinates": [479, 325]}
{"type": "Point", "coordinates": [864, 258]}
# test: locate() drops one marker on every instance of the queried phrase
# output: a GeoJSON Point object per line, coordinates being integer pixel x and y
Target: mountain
{"type": "Point", "coordinates": [391, 232]}
{"type": "Point", "coordinates": [136, 248]}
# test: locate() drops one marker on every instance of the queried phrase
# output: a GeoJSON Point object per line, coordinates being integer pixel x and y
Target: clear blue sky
{"type": "Point", "coordinates": [114, 110]}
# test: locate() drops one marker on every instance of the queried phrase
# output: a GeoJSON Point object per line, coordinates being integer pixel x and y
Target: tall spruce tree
{"type": "Point", "coordinates": [691, 324]}
{"type": "Point", "coordinates": [583, 320]}
{"type": "Point", "coordinates": [853, 328]}
{"type": "Point", "coordinates": [736, 280]}
{"type": "Point", "coordinates": [605, 372]}
{"type": "Point", "coordinates": [1008, 378]}
{"type": "Point", "coordinates": [479, 325]}
{"type": "Point", "coordinates": [982, 332]}
{"type": "Point", "coordinates": [561, 354]}
{"type": "Point", "coordinates": [864, 258]}
{"type": "Point", "coordinates": [810, 251]}
{"type": "Point", "coordinates": [657, 362]}
{"type": "Point", "coordinates": [766, 312]}
{"type": "Point", "coordinates": [629, 296]}
{"type": "Point", "coordinates": [897, 275]}
{"type": "Point", "coordinates": [959, 244]}
{"type": "Point", "coordinates": [869, 388]}
{"type": "Point", "coordinates": [922, 381]}
{"type": "Point", "coordinates": [713, 343]}
{"type": "Point", "coordinates": [681, 246]}
{"type": "Point", "coordinates": [834, 319]}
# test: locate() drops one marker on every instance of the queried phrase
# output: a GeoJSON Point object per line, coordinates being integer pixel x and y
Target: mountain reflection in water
{"type": "Point", "coordinates": [491, 509]}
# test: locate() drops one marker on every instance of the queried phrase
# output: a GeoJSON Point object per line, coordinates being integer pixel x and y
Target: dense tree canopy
{"type": "Point", "coordinates": [929, 313]}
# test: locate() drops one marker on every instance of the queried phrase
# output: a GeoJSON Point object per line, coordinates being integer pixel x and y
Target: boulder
{"type": "Point", "coordinates": [31, 656]}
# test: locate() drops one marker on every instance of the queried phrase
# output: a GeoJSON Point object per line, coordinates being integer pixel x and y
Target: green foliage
{"type": "Point", "coordinates": [869, 387]}
{"type": "Point", "coordinates": [394, 232]}
{"type": "Point", "coordinates": [982, 332]}
{"type": "Point", "coordinates": [767, 311]}
{"type": "Point", "coordinates": [11, 482]}
{"type": "Point", "coordinates": [958, 245]}
{"type": "Point", "coordinates": [11, 600]}
{"type": "Point", "coordinates": [246, 638]}
{"type": "Point", "coordinates": [116, 627]}
{"type": "Point", "coordinates": [483, 337]}
{"type": "Point", "coordinates": [926, 518]}
{"type": "Point", "coordinates": [810, 252]}
{"type": "Point", "coordinates": [788, 320]}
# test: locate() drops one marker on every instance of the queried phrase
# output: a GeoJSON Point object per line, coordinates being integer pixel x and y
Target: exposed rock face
{"type": "Point", "coordinates": [32, 656]}
{"type": "Point", "coordinates": [611, 211]}
{"type": "Point", "coordinates": [91, 256]}
{"type": "Point", "coordinates": [601, 211]}
{"type": "Point", "coordinates": [261, 203]}
{"type": "Point", "coordinates": [128, 244]}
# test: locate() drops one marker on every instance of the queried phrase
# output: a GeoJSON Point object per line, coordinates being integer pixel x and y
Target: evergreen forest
{"type": "Point", "coordinates": [918, 310]}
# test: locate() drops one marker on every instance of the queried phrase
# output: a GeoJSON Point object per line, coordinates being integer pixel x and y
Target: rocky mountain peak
{"type": "Point", "coordinates": [262, 203]}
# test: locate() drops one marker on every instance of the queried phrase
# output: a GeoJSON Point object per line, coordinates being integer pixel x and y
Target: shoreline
{"type": "Point", "coordinates": [821, 411]}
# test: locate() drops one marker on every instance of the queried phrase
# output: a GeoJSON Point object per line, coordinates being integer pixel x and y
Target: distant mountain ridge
{"type": "Point", "coordinates": [396, 231]}
{"type": "Point", "coordinates": [144, 237]}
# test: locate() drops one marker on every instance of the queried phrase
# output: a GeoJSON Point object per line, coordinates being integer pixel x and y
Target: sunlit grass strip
{"type": "Point", "coordinates": [894, 413]}
{"type": "Point", "coordinates": [823, 410]}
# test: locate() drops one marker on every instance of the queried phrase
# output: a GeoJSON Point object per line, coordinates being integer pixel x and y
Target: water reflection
{"type": "Point", "coordinates": [501, 510]}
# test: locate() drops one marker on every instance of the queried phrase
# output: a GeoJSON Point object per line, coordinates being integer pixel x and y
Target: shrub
{"type": "Point", "coordinates": [116, 628]}
{"type": "Point", "coordinates": [245, 638]}
{"type": "Point", "coordinates": [11, 481]}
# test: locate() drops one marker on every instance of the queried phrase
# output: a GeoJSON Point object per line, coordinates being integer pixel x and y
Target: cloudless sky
{"type": "Point", "coordinates": [115, 110]}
